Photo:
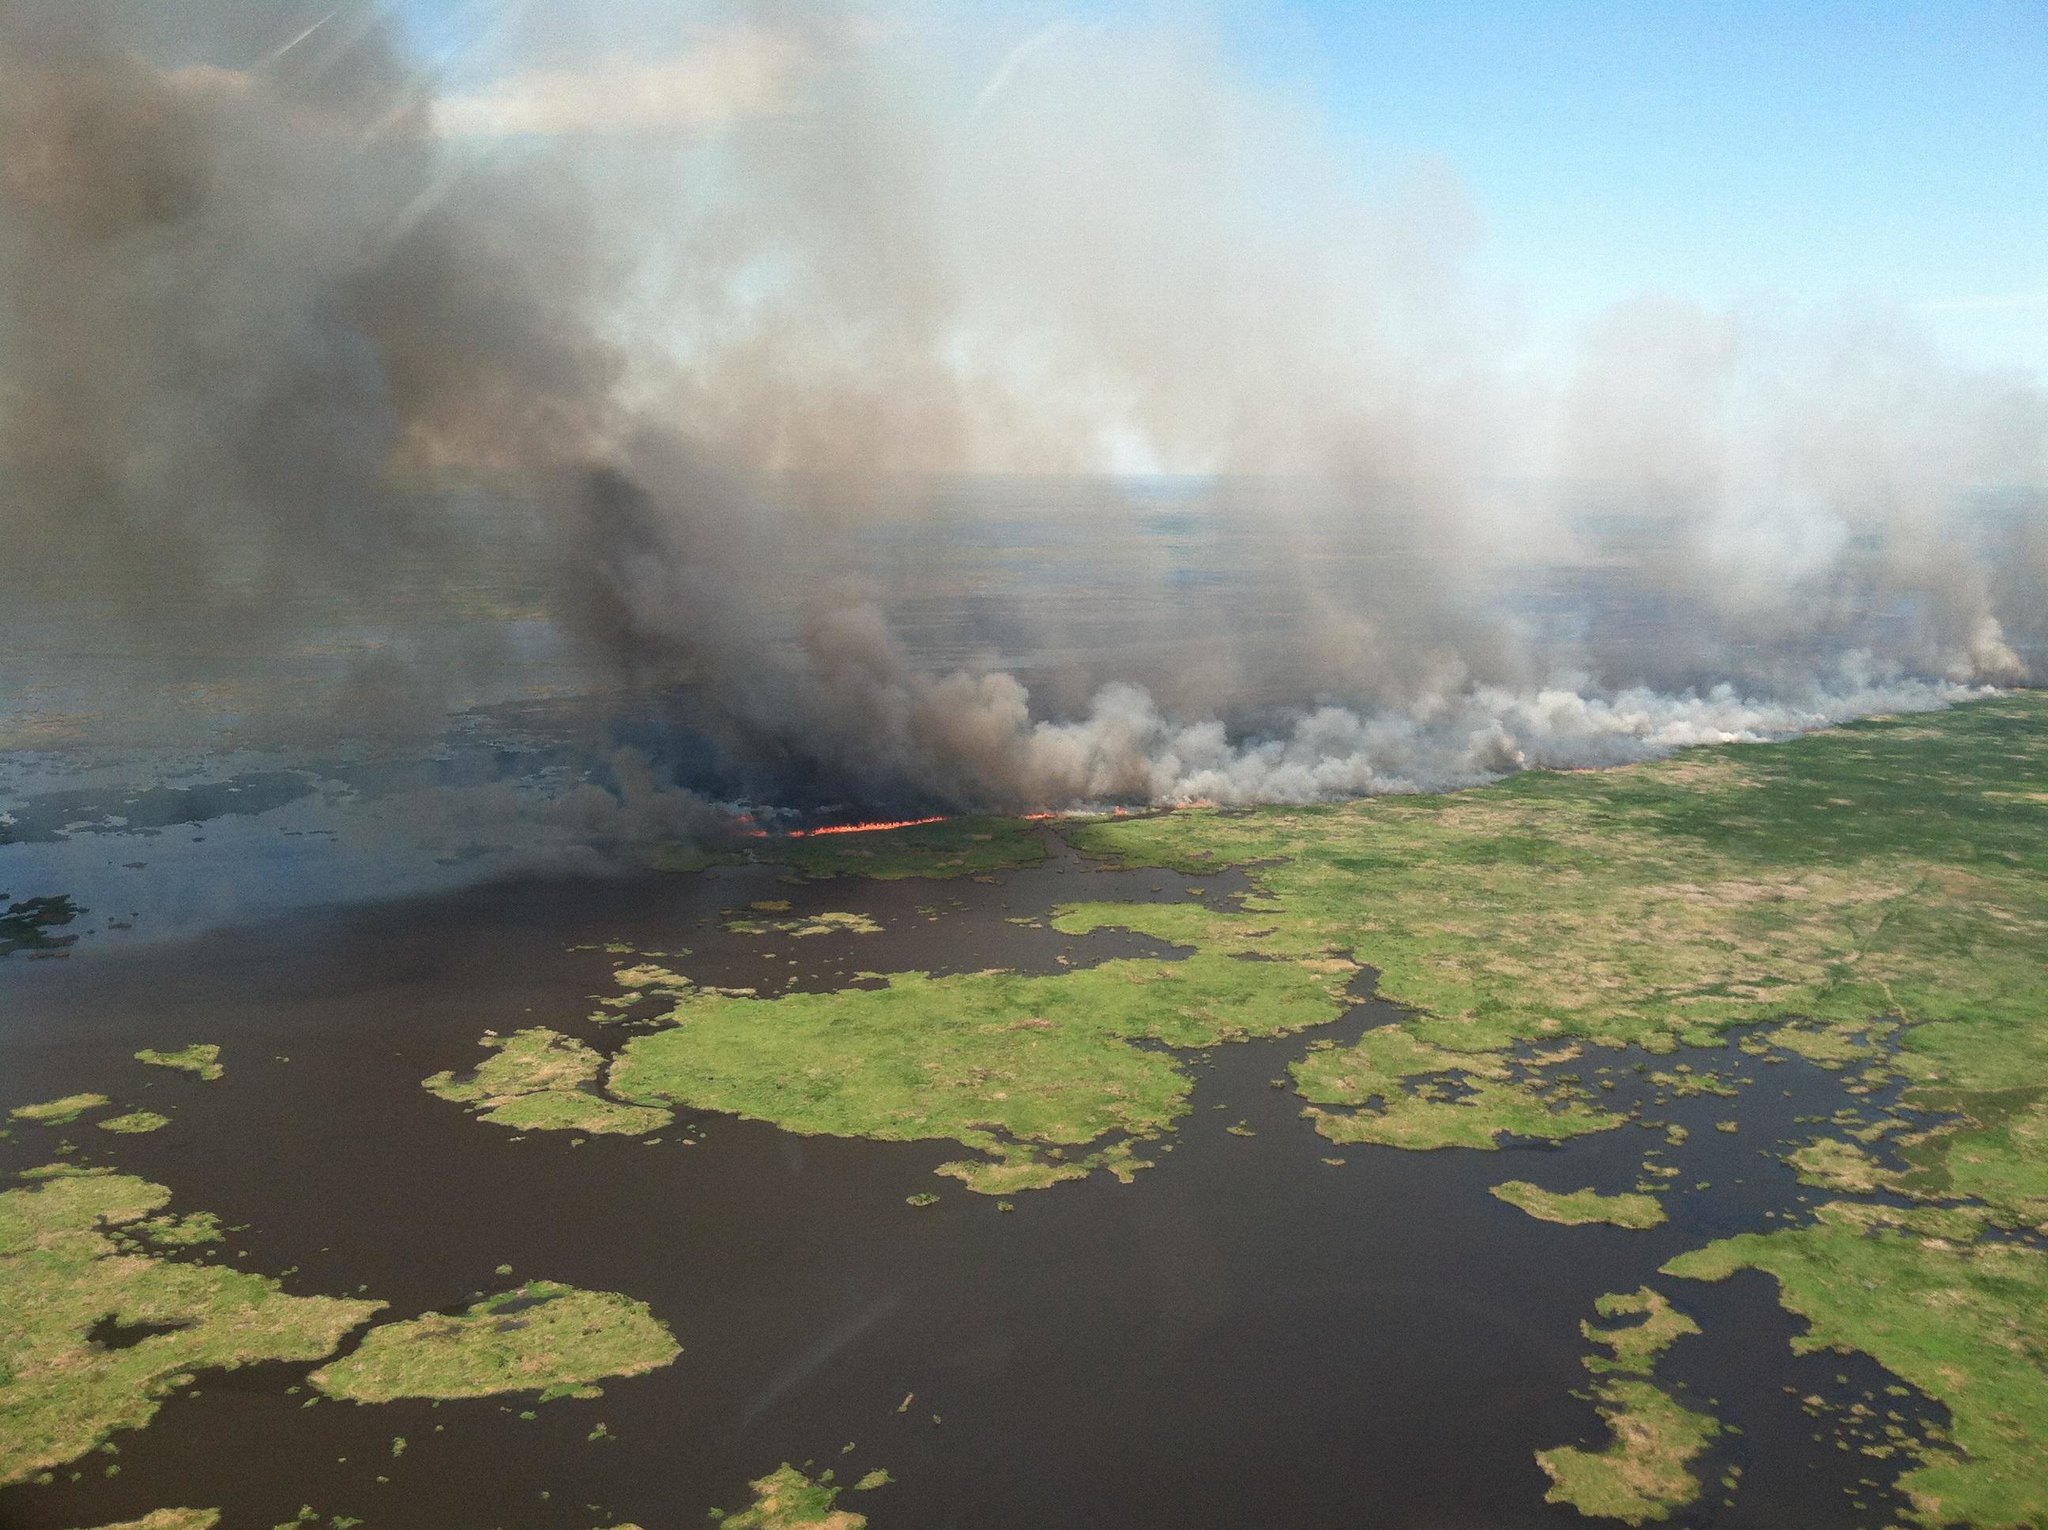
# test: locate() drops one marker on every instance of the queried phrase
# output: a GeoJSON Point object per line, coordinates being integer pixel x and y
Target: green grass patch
{"type": "Point", "coordinates": [1644, 1472]}
{"type": "Point", "coordinates": [135, 1121]}
{"type": "Point", "coordinates": [540, 1336]}
{"type": "Point", "coordinates": [786, 1499]}
{"type": "Point", "coordinates": [1406, 1092]}
{"type": "Point", "coordinates": [541, 1080]}
{"type": "Point", "coordinates": [193, 1230]}
{"type": "Point", "coordinates": [201, 1058]}
{"type": "Point", "coordinates": [1043, 1076]}
{"type": "Point", "coordinates": [64, 1270]}
{"type": "Point", "coordinates": [1634, 1348]}
{"type": "Point", "coordinates": [1580, 1207]}
{"type": "Point", "coordinates": [1996, 1151]}
{"type": "Point", "coordinates": [1829, 1163]}
{"type": "Point", "coordinates": [60, 1112]}
{"type": "Point", "coordinates": [1830, 1046]}
{"type": "Point", "coordinates": [310, 1516]}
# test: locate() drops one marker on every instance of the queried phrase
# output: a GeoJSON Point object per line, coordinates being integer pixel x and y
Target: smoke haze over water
{"type": "Point", "coordinates": [677, 356]}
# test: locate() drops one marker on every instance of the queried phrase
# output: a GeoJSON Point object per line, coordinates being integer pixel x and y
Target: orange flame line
{"type": "Point", "coordinates": [865, 828]}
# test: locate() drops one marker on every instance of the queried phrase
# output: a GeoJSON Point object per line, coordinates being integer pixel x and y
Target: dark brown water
{"type": "Point", "coordinates": [1246, 1336]}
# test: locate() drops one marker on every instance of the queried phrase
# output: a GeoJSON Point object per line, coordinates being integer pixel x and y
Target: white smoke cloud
{"type": "Point", "coordinates": [727, 77]}
{"type": "Point", "coordinates": [1124, 749]}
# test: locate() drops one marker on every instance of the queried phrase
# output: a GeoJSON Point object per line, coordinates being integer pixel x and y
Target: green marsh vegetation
{"type": "Point", "coordinates": [66, 1267]}
{"type": "Point", "coordinates": [201, 1059]}
{"type": "Point", "coordinates": [171, 1519]}
{"type": "Point", "coordinates": [1644, 1472]}
{"type": "Point", "coordinates": [135, 1121]}
{"type": "Point", "coordinates": [1877, 895]}
{"type": "Point", "coordinates": [1966, 1322]}
{"type": "Point", "coordinates": [60, 1112]}
{"type": "Point", "coordinates": [1886, 869]}
{"type": "Point", "coordinates": [1416, 1094]}
{"type": "Point", "coordinates": [641, 984]}
{"type": "Point", "coordinates": [787, 1499]}
{"type": "Point", "coordinates": [105, 1311]}
{"type": "Point", "coordinates": [1580, 1207]}
{"type": "Point", "coordinates": [193, 1230]}
{"type": "Point", "coordinates": [1046, 1077]}
{"type": "Point", "coordinates": [541, 1080]}
{"type": "Point", "coordinates": [540, 1337]}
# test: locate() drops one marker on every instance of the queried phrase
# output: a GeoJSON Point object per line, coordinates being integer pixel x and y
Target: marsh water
{"type": "Point", "coordinates": [1246, 1335]}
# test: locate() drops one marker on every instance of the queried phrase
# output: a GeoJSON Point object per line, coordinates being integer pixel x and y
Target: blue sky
{"type": "Point", "coordinates": [1808, 154]}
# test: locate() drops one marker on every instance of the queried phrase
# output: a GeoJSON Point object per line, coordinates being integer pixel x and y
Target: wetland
{"type": "Point", "coordinates": [1661, 1144]}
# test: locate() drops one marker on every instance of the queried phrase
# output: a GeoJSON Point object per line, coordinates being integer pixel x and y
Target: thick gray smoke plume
{"type": "Point", "coordinates": [246, 318]}
{"type": "Point", "coordinates": [653, 310]}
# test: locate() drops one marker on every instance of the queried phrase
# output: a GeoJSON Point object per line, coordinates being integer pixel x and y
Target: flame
{"type": "Point", "coordinates": [866, 828]}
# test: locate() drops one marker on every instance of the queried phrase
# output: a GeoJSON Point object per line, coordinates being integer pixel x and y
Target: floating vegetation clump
{"type": "Point", "coordinates": [201, 1058]}
{"type": "Point", "coordinates": [1580, 1207]}
{"type": "Point", "coordinates": [135, 1121]}
{"type": "Point", "coordinates": [1048, 1078]}
{"type": "Point", "coordinates": [540, 1337]}
{"type": "Point", "coordinates": [541, 1080]}
{"type": "Point", "coordinates": [787, 1499]}
{"type": "Point", "coordinates": [64, 1268]}
{"type": "Point", "coordinates": [1644, 1472]}
{"type": "Point", "coordinates": [60, 1112]}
